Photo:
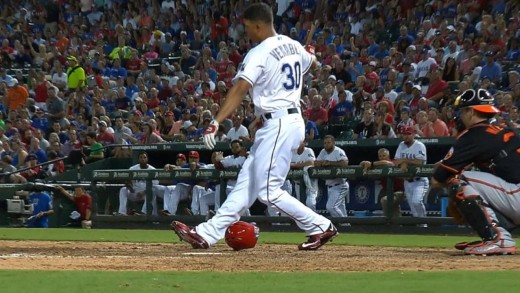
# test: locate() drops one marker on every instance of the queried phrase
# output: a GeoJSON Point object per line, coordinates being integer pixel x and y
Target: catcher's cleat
{"type": "Point", "coordinates": [189, 235]}
{"type": "Point", "coordinates": [316, 241]}
{"type": "Point", "coordinates": [495, 247]}
{"type": "Point", "coordinates": [465, 244]}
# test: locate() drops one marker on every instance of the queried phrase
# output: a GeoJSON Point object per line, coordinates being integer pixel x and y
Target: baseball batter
{"type": "Point", "coordinates": [337, 188]}
{"type": "Point", "coordinates": [272, 75]}
{"type": "Point", "coordinates": [488, 199]}
{"type": "Point", "coordinates": [412, 152]}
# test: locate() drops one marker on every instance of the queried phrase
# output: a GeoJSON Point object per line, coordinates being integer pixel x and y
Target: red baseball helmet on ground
{"type": "Point", "coordinates": [242, 235]}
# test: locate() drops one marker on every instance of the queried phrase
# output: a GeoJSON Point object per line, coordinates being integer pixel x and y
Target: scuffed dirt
{"type": "Point", "coordinates": [114, 256]}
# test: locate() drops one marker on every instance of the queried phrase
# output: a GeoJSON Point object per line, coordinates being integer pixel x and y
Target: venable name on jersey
{"type": "Point", "coordinates": [284, 50]}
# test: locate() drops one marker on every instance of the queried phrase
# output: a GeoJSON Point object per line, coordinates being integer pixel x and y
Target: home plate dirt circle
{"type": "Point", "coordinates": [115, 256]}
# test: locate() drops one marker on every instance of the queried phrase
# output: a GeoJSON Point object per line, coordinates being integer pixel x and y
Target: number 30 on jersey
{"type": "Point", "coordinates": [293, 74]}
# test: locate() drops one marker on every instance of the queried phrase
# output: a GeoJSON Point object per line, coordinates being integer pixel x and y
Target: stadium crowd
{"type": "Point", "coordinates": [93, 73]}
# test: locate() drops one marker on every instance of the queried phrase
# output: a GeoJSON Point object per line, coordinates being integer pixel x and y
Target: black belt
{"type": "Point", "coordinates": [268, 116]}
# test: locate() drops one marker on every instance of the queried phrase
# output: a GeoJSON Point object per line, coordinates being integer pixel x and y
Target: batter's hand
{"type": "Point", "coordinates": [209, 134]}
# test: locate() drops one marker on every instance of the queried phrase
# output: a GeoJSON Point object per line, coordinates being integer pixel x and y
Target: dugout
{"type": "Point", "coordinates": [362, 202]}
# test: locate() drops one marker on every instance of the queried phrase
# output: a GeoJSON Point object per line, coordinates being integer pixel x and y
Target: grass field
{"type": "Point", "coordinates": [149, 281]}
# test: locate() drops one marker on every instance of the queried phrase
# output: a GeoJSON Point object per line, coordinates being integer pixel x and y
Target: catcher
{"type": "Point", "coordinates": [487, 199]}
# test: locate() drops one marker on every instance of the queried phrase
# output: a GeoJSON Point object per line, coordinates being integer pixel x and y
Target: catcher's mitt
{"type": "Point", "coordinates": [453, 211]}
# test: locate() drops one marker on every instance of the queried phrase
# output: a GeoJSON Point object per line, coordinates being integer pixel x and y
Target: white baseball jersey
{"type": "Point", "coordinates": [306, 156]}
{"type": "Point", "coordinates": [275, 67]}
{"type": "Point", "coordinates": [141, 184]}
{"type": "Point", "coordinates": [416, 151]}
{"type": "Point", "coordinates": [335, 156]}
{"type": "Point", "coordinates": [230, 162]}
{"type": "Point", "coordinates": [415, 188]}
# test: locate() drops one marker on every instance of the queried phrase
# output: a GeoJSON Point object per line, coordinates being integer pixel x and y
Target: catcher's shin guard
{"type": "Point", "coordinates": [477, 219]}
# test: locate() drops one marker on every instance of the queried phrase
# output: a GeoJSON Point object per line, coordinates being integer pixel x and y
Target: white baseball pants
{"type": "Point", "coordinates": [415, 192]}
{"type": "Point", "coordinates": [262, 177]}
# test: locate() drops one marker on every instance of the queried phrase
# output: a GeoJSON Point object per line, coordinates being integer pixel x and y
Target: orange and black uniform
{"type": "Point", "coordinates": [491, 148]}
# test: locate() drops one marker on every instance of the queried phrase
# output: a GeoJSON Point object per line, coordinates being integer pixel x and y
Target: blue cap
{"type": "Point", "coordinates": [405, 109]}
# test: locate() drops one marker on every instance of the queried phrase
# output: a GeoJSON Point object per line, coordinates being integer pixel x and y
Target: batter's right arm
{"type": "Point", "coordinates": [233, 99]}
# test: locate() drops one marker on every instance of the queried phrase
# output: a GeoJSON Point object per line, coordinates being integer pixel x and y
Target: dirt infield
{"type": "Point", "coordinates": [48, 255]}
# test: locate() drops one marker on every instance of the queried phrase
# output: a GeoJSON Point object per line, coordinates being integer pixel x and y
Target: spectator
{"type": "Point", "coordinates": [76, 78]}
{"type": "Point", "coordinates": [491, 69]}
{"type": "Point", "coordinates": [435, 92]}
{"type": "Point", "coordinates": [104, 136]}
{"type": "Point", "coordinates": [55, 106]}
{"type": "Point", "coordinates": [16, 95]}
{"type": "Point", "coordinates": [451, 70]}
{"type": "Point", "coordinates": [55, 168]}
{"type": "Point", "coordinates": [382, 129]}
{"type": "Point", "coordinates": [424, 65]}
{"type": "Point", "coordinates": [365, 128]}
{"type": "Point", "coordinates": [318, 114]}
{"type": "Point", "coordinates": [149, 133]}
{"type": "Point", "coordinates": [343, 110]}
{"type": "Point", "coordinates": [31, 170]}
{"type": "Point", "coordinates": [35, 149]}
{"type": "Point", "coordinates": [96, 149]}
{"type": "Point", "coordinates": [435, 127]}
{"type": "Point", "coordinates": [238, 131]}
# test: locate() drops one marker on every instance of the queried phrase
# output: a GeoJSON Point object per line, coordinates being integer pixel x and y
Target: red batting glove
{"type": "Point", "coordinates": [209, 134]}
{"type": "Point", "coordinates": [310, 49]}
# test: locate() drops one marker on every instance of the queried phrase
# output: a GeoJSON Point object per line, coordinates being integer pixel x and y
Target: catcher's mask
{"type": "Point", "coordinates": [241, 235]}
{"type": "Point", "coordinates": [480, 100]}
